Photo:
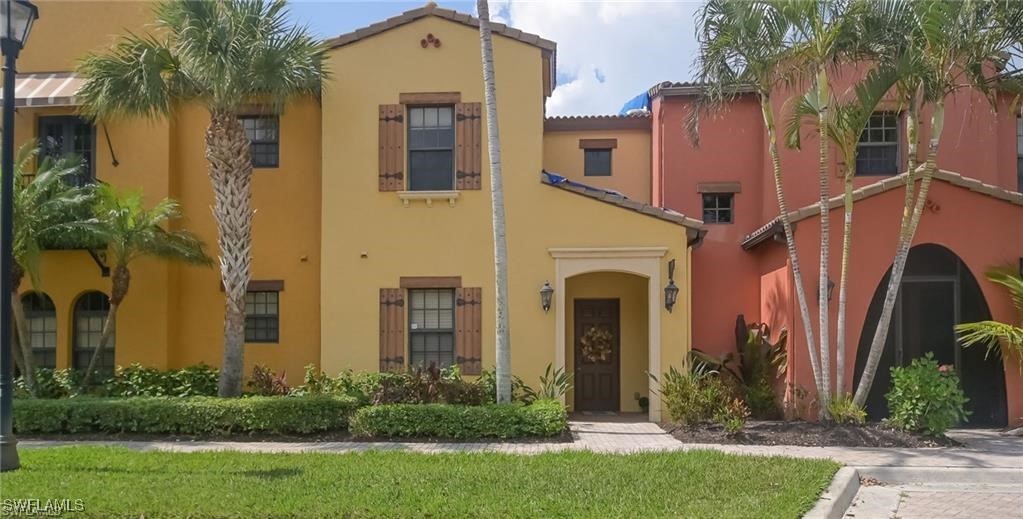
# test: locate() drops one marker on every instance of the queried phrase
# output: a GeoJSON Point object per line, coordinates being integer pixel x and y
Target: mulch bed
{"type": "Point", "coordinates": [330, 436]}
{"type": "Point", "coordinates": [807, 434]}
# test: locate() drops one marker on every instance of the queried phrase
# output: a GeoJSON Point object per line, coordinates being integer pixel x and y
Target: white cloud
{"type": "Point", "coordinates": [631, 45]}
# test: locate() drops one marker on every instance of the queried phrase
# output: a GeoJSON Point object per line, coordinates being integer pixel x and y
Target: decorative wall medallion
{"type": "Point", "coordinates": [596, 344]}
{"type": "Point", "coordinates": [932, 206]}
{"type": "Point", "coordinates": [429, 40]}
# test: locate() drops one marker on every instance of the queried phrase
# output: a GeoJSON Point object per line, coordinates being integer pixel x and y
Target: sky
{"type": "Point", "coordinates": [608, 50]}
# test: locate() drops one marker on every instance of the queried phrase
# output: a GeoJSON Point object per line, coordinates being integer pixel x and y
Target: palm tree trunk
{"type": "Point", "coordinates": [843, 279]}
{"type": "Point", "coordinates": [24, 343]}
{"type": "Point", "coordinates": [790, 243]}
{"type": "Point", "coordinates": [120, 282]}
{"type": "Point", "coordinates": [502, 342]}
{"type": "Point", "coordinates": [901, 255]}
{"type": "Point", "coordinates": [227, 151]}
{"type": "Point", "coordinates": [825, 223]}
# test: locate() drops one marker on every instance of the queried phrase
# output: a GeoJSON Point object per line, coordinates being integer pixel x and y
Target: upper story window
{"type": "Point", "coordinates": [69, 136]}
{"type": "Point", "coordinates": [1019, 154]}
{"type": "Point", "coordinates": [263, 132]}
{"type": "Point", "coordinates": [262, 316]}
{"type": "Point", "coordinates": [597, 162]}
{"type": "Point", "coordinates": [717, 207]}
{"type": "Point", "coordinates": [878, 150]}
{"type": "Point", "coordinates": [431, 148]}
{"type": "Point", "coordinates": [432, 327]}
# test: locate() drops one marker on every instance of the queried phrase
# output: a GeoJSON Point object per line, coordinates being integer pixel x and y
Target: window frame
{"type": "Point", "coordinates": [253, 317]}
{"type": "Point", "coordinates": [69, 122]}
{"type": "Point", "coordinates": [276, 143]}
{"type": "Point", "coordinates": [586, 162]}
{"type": "Point", "coordinates": [897, 144]}
{"type": "Point", "coordinates": [44, 356]}
{"type": "Point", "coordinates": [414, 331]}
{"type": "Point", "coordinates": [77, 349]}
{"type": "Point", "coordinates": [730, 210]}
{"type": "Point", "coordinates": [409, 149]}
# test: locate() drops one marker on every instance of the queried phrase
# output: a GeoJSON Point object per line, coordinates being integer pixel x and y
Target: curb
{"type": "Point", "coordinates": [836, 499]}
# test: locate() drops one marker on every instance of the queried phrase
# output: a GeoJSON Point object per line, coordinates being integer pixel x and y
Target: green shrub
{"type": "Point", "coordinates": [694, 395]}
{"type": "Point", "coordinates": [843, 410]}
{"type": "Point", "coordinates": [127, 381]}
{"type": "Point", "coordinates": [540, 419]}
{"type": "Point", "coordinates": [50, 383]}
{"type": "Point", "coordinates": [429, 386]}
{"type": "Point", "coordinates": [926, 397]}
{"type": "Point", "coordinates": [732, 416]}
{"type": "Point", "coordinates": [188, 416]}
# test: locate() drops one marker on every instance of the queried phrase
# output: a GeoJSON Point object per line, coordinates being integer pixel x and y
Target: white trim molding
{"type": "Point", "coordinates": [408, 196]}
{"type": "Point", "coordinates": [608, 252]}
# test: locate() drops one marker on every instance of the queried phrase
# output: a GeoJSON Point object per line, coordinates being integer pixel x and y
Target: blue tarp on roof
{"type": "Point", "coordinates": [640, 102]}
{"type": "Point", "coordinates": [556, 179]}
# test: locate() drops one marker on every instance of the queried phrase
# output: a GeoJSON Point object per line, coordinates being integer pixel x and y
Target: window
{"type": "Point", "coordinates": [69, 136]}
{"type": "Point", "coordinates": [717, 207]}
{"type": "Point", "coordinates": [597, 162]}
{"type": "Point", "coordinates": [1019, 154]}
{"type": "Point", "coordinates": [42, 328]}
{"type": "Point", "coordinates": [431, 148]}
{"type": "Point", "coordinates": [878, 151]}
{"type": "Point", "coordinates": [264, 139]}
{"type": "Point", "coordinates": [432, 327]}
{"type": "Point", "coordinates": [90, 314]}
{"type": "Point", "coordinates": [262, 316]}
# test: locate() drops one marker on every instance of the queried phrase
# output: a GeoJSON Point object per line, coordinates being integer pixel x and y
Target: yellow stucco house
{"type": "Point", "coordinates": [372, 240]}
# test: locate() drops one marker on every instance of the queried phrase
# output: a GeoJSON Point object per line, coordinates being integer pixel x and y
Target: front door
{"type": "Point", "coordinates": [597, 347]}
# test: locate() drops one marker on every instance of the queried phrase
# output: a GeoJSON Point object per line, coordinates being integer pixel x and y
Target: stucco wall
{"type": "Point", "coordinates": [630, 161]}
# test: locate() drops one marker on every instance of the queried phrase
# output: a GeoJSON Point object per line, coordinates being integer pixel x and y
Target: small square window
{"type": "Point", "coordinates": [717, 207]}
{"type": "Point", "coordinates": [264, 140]}
{"type": "Point", "coordinates": [262, 317]}
{"type": "Point", "coordinates": [597, 162]}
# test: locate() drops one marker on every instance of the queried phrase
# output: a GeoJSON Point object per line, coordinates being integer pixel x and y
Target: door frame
{"type": "Point", "coordinates": [617, 398]}
{"type": "Point", "coordinates": [956, 314]}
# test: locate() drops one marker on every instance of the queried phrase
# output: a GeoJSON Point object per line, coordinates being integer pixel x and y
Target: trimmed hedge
{"type": "Point", "coordinates": [539, 419]}
{"type": "Point", "coordinates": [189, 416]}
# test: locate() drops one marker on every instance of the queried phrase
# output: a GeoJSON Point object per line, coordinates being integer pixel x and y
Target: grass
{"type": "Point", "coordinates": [117, 482]}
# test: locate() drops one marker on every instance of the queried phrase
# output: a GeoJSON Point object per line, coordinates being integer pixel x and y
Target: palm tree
{"type": "Point", "coordinates": [946, 46]}
{"type": "Point", "coordinates": [220, 54]}
{"type": "Point", "coordinates": [502, 342]}
{"type": "Point", "coordinates": [46, 209]}
{"type": "Point", "coordinates": [130, 231]}
{"type": "Point", "coordinates": [1000, 338]}
{"type": "Point", "coordinates": [744, 45]}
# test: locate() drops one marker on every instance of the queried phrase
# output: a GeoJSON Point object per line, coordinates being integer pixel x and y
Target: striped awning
{"type": "Point", "coordinates": [46, 89]}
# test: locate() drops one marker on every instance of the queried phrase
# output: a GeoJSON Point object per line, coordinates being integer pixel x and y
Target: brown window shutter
{"type": "Point", "coordinates": [468, 330]}
{"type": "Point", "coordinates": [468, 134]}
{"type": "Point", "coordinates": [392, 147]}
{"type": "Point", "coordinates": [392, 329]}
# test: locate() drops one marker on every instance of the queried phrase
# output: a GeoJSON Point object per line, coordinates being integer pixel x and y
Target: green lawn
{"type": "Point", "coordinates": [116, 482]}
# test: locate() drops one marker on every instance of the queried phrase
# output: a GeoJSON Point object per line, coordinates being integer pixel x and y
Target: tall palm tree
{"type": "Point", "coordinates": [1005, 339]}
{"type": "Point", "coordinates": [743, 45]}
{"type": "Point", "coordinates": [220, 54]}
{"type": "Point", "coordinates": [46, 209]}
{"type": "Point", "coordinates": [502, 342]}
{"type": "Point", "coordinates": [130, 230]}
{"type": "Point", "coordinates": [949, 46]}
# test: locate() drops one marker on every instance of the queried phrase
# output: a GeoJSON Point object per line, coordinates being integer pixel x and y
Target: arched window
{"type": "Point", "coordinates": [90, 314]}
{"type": "Point", "coordinates": [42, 328]}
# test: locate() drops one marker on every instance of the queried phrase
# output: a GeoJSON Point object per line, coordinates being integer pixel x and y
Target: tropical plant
{"type": "Point", "coordinates": [842, 410]}
{"type": "Point", "coordinates": [130, 231]}
{"type": "Point", "coordinates": [940, 48]}
{"type": "Point", "coordinates": [222, 55]}
{"type": "Point", "coordinates": [266, 382]}
{"type": "Point", "coordinates": [697, 393]}
{"type": "Point", "coordinates": [1000, 338]}
{"type": "Point", "coordinates": [554, 384]}
{"type": "Point", "coordinates": [744, 46]}
{"type": "Point", "coordinates": [502, 342]}
{"type": "Point", "coordinates": [46, 208]}
{"type": "Point", "coordinates": [926, 397]}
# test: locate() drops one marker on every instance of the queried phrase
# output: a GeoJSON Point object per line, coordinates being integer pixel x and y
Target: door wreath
{"type": "Point", "coordinates": [596, 344]}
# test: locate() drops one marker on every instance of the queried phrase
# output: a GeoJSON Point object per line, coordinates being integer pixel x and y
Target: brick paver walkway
{"type": "Point", "coordinates": [923, 502]}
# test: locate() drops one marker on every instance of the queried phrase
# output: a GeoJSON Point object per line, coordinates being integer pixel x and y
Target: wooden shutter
{"type": "Point", "coordinates": [392, 329]}
{"type": "Point", "coordinates": [468, 330]}
{"type": "Point", "coordinates": [468, 133]}
{"type": "Point", "coordinates": [392, 148]}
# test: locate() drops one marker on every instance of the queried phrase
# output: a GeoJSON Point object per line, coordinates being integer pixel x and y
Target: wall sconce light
{"type": "Point", "coordinates": [546, 291]}
{"type": "Point", "coordinates": [670, 291]}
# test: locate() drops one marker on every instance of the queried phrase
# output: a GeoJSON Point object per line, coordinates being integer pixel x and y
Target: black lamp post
{"type": "Point", "coordinates": [16, 17]}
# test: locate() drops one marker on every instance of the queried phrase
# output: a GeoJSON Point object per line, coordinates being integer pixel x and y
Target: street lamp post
{"type": "Point", "coordinates": [16, 18]}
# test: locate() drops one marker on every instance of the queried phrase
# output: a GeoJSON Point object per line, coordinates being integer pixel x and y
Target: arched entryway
{"type": "Point", "coordinates": [938, 291]}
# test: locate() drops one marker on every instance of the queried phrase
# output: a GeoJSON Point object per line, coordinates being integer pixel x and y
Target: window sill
{"type": "Point", "coordinates": [429, 196]}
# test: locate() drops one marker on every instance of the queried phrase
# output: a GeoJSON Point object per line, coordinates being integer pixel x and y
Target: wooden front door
{"type": "Point", "coordinates": [597, 346]}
